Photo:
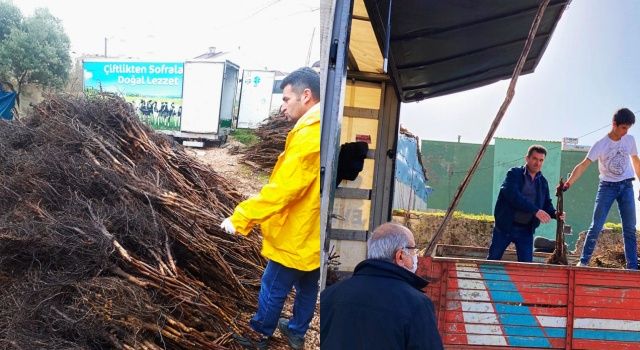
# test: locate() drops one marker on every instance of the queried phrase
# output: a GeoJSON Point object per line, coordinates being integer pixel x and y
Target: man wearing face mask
{"type": "Point", "coordinates": [381, 306]}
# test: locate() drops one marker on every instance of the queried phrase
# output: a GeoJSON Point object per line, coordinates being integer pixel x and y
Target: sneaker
{"type": "Point", "coordinates": [252, 340]}
{"type": "Point", "coordinates": [296, 342]}
{"type": "Point", "coordinates": [579, 264]}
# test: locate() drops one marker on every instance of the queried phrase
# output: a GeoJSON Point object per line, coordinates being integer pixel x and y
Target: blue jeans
{"type": "Point", "coordinates": [608, 192]}
{"type": "Point", "coordinates": [276, 283]}
{"type": "Point", "coordinates": [521, 236]}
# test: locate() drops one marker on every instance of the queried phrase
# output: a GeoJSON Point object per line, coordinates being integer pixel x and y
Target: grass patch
{"type": "Point", "coordinates": [616, 228]}
{"type": "Point", "coordinates": [245, 136]}
{"type": "Point", "coordinates": [456, 215]}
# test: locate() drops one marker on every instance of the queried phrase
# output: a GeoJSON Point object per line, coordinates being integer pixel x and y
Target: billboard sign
{"type": "Point", "coordinates": [154, 89]}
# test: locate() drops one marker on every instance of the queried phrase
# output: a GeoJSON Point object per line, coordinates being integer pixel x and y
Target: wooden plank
{"type": "Point", "coordinates": [512, 342]}
{"type": "Point", "coordinates": [475, 295]}
{"type": "Point", "coordinates": [613, 274]}
{"type": "Point", "coordinates": [516, 278]}
{"type": "Point", "coordinates": [470, 252]}
{"type": "Point", "coordinates": [504, 319]}
{"type": "Point", "coordinates": [608, 278]}
{"type": "Point", "coordinates": [599, 345]}
{"type": "Point", "coordinates": [371, 154]}
{"type": "Point", "coordinates": [513, 269]}
{"type": "Point", "coordinates": [530, 287]}
{"type": "Point", "coordinates": [606, 282]}
{"type": "Point", "coordinates": [352, 193]}
{"type": "Point", "coordinates": [506, 308]}
{"type": "Point", "coordinates": [607, 335]}
{"type": "Point", "coordinates": [609, 302]}
{"type": "Point", "coordinates": [348, 235]}
{"type": "Point", "coordinates": [466, 328]}
{"type": "Point", "coordinates": [601, 312]}
{"type": "Point", "coordinates": [607, 324]}
{"type": "Point", "coordinates": [358, 112]}
{"type": "Point", "coordinates": [600, 291]}
{"type": "Point", "coordinates": [454, 339]}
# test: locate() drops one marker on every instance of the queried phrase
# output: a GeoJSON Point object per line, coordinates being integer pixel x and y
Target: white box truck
{"type": "Point", "coordinates": [255, 97]}
{"type": "Point", "coordinates": [208, 94]}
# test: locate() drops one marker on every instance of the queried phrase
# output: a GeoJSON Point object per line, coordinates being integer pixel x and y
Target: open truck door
{"type": "Point", "coordinates": [434, 48]}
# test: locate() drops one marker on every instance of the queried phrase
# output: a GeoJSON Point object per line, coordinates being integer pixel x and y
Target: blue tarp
{"type": "Point", "coordinates": [409, 170]}
{"type": "Point", "coordinates": [7, 101]}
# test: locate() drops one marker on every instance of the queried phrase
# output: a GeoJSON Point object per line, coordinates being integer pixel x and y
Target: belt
{"type": "Point", "coordinates": [617, 182]}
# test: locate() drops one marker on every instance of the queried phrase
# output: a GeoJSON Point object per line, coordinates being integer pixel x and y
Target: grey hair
{"type": "Point", "coordinates": [386, 240]}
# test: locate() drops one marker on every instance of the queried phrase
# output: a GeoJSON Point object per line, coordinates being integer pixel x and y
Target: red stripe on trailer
{"type": "Point", "coordinates": [600, 345]}
{"type": "Point", "coordinates": [548, 311]}
{"type": "Point", "coordinates": [602, 291]}
{"type": "Point", "coordinates": [606, 313]}
{"type": "Point", "coordinates": [608, 302]}
{"type": "Point", "coordinates": [557, 343]}
{"type": "Point", "coordinates": [630, 283]}
{"type": "Point", "coordinates": [544, 298]}
{"type": "Point", "coordinates": [456, 328]}
{"type": "Point", "coordinates": [458, 339]}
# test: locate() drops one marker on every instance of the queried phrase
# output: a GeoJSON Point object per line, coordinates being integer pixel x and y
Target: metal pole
{"type": "Point", "coordinates": [387, 40]}
{"type": "Point", "coordinates": [332, 91]}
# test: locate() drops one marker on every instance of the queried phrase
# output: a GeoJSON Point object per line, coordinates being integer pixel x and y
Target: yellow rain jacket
{"type": "Point", "coordinates": [288, 207]}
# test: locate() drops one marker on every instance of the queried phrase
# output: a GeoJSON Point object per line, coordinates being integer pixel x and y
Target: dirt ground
{"type": "Point", "coordinates": [249, 181]}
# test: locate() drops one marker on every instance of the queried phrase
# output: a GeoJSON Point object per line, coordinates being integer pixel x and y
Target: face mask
{"type": "Point", "coordinates": [413, 268]}
{"type": "Point", "coordinates": [415, 264]}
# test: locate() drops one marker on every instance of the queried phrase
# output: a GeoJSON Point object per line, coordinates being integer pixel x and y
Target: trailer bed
{"type": "Point", "coordinates": [484, 304]}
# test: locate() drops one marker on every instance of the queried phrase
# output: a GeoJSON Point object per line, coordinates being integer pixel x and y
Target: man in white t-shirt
{"type": "Point", "coordinates": [617, 158]}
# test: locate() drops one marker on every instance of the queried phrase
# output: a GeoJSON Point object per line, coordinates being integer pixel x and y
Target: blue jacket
{"type": "Point", "coordinates": [381, 307]}
{"type": "Point", "coordinates": [510, 200]}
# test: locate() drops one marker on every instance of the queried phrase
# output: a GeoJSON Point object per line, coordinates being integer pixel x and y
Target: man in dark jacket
{"type": "Point", "coordinates": [381, 307]}
{"type": "Point", "coordinates": [523, 203]}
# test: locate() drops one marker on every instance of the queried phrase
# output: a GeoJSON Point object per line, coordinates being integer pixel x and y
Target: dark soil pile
{"type": "Point", "coordinates": [609, 250]}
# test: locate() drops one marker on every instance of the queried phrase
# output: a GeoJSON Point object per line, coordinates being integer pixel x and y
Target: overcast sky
{"type": "Point", "coordinates": [275, 34]}
{"type": "Point", "coordinates": [590, 69]}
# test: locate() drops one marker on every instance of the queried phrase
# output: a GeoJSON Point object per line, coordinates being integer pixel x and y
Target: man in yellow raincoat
{"type": "Point", "coordinates": [288, 212]}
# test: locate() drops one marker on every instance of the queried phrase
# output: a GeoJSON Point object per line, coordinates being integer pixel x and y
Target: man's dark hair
{"type": "Point", "coordinates": [537, 149]}
{"type": "Point", "coordinates": [624, 117]}
{"type": "Point", "coordinates": [303, 78]}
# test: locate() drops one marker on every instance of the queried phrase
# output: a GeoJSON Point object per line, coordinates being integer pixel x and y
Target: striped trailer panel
{"type": "Point", "coordinates": [505, 305]}
{"type": "Point", "coordinates": [607, 310]}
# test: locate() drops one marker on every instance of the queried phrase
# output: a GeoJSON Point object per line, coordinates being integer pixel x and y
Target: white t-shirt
{"type": "Point", "coordinates": [613, 159]}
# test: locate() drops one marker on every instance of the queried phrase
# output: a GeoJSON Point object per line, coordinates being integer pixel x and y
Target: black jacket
{"type": "Point", "coordinates": [381, 307]}
{"type": "Point", "coordinates": [510, 199]}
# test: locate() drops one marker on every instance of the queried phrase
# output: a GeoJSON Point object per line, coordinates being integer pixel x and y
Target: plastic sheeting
{"type": "Point", "coordinates": [7, 101]}
{"type": "Point", "coordinates": [409, 170]}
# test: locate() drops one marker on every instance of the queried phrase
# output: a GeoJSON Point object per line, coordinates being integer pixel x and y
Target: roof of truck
{"type": "Point", "coordinates": [442, 47]}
